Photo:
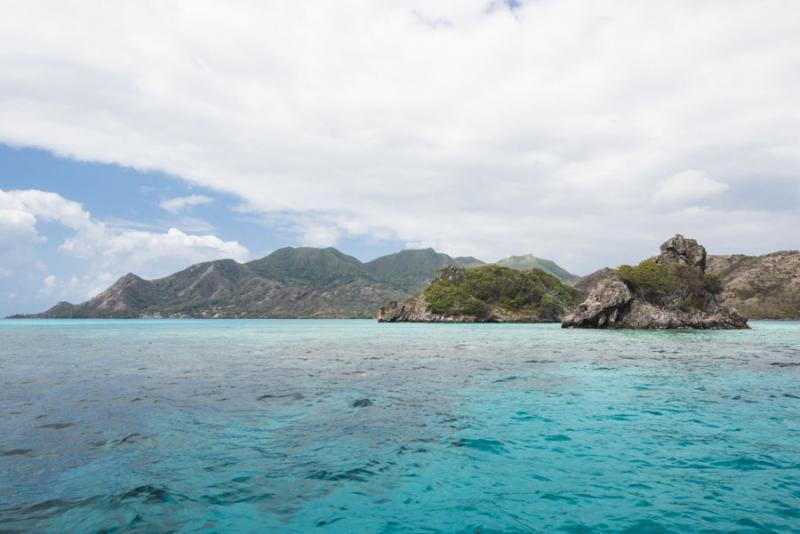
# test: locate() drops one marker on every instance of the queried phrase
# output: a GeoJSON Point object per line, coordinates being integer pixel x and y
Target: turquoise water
{"type": "Point", "coordinates": [354, 426]}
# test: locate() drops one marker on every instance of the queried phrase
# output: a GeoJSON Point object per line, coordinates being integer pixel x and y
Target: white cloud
{"type": "Point", "coordinates": [689, 185]}
{"type": "Point", "coordinates": [48, 285]}
{"type": "Point", "coordinates": [18, 236]}
{"type": "Point", "coordinates": [320, 236]}
{"type": "Point", "coordinates": [480, 131]}
{"type": "Point", "coordinates": [151, 254]}
{"type": "Point", "coordinates": [108, 252]}
{"type": "Point", "coordinates": [177, 204]}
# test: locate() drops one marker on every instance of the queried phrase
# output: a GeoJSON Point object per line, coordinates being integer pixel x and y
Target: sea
{"type": "Point", "coordinates": [354, 426]}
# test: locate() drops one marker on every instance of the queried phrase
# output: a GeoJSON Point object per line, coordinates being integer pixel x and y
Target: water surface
{"type": "Point", "coordinates": [355, 426]}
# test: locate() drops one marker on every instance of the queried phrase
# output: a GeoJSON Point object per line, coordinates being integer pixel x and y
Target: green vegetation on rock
{"type": "Point", "coordinates": [674, 285]}
{"type": "Point", "coordinates": [652, 279]}
{"type": "Point", "coordinates": [671, 290]}
{"type": "Point", "coordinates": [489, 289]}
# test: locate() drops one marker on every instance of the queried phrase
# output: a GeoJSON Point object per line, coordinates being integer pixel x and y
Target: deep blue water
{"type": "Point", "coordinates": [354, 426]}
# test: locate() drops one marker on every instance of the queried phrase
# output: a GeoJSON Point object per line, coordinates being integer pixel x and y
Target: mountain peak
{"type": "Point", "coordinates": [526, 262]}
{"type": "Point", "coordinates": [314, 266]}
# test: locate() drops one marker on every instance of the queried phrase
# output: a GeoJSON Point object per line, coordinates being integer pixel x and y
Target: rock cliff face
{"type": "Point", "coordinates": [415, 310]}
{"type": "Point", "coordinates": [586, 283]}
{"type": "Point", "coordinates": [672, 290]}
{"type": "Point", "coordinates": [760, 287]}
{"type": "Point", "coordinates": [486, 294]}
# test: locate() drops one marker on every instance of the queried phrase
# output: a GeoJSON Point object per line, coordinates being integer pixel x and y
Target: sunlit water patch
{"type": "Point", "coordinates": [354, 426]}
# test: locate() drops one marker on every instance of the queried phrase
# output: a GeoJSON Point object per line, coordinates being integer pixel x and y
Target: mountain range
{"type": "Point", "coordinates": [326, 283]}
{"type": "Point", "coordinates": [291, 282]}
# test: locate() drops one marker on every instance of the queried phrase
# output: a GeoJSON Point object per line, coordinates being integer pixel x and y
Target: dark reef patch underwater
{"type": "Point", "coordinates": [352, 426]}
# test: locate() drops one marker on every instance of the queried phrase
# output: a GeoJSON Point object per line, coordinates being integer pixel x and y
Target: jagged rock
{"type": "Point", "coordinates": [678, 249]}
{"type": "Point", "coordinates": [412, 310]}
{"type": "Point", "coordinates": [585, 284]}
{"type": "Point", "coordinates": [642, 314]}
{"type": "Point", "coordinates": [415, 310]}
{"type": "Point", "coordinates": [602, 307]}
{"type": "Point", "coordinates": [684, 300]}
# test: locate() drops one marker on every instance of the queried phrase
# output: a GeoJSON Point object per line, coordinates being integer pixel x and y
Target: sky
{"type": "Point", "coordinates": [146, 136]}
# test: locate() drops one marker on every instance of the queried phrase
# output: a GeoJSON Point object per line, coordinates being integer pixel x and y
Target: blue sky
{"type": "Point", "coordinates": [127, 199]}
{"type": "Point", "coordinates": [579, 131]}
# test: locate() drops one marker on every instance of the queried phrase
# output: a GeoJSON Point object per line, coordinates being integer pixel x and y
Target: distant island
{"type": "Point", "coordinates": [324, 283]}
{"type": "Point", "coordinates": [303, 282]}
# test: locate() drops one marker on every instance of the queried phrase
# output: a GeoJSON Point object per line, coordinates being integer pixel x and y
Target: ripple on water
{"type": "Point", "coordinates": [483, 445]}
{"type": "Point", "coordinates": [359, 427]}
{"type": "Point", "coordinates": [56, 426]}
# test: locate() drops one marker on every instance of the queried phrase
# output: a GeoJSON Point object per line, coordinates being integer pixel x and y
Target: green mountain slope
{"type": "Point", "coordinates": [317, 267]}
{"type": "Point", "coordinates": [411, 270]}
{"type": "Point", "coordinates": [529, 261]}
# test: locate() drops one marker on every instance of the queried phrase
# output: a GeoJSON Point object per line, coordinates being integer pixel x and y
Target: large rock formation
{"type": "Point", "coordinates": [669, 291]}
{"type": "Point", "coordinates": [485, 294]}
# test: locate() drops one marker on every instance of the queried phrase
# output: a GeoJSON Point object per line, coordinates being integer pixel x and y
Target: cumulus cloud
{"type": "Point", "coordinates": [18, 235]}
{"type": "Point", "coordinates": [108, 252]}
{"type": "Point", "coordinates": [151, 254]}
{"type": "Point", "coordinates": [475, 126]}
{"type": "Point", "coordinates": [689, 185]}
{"type": "Point", "coordinates": [177, 204]}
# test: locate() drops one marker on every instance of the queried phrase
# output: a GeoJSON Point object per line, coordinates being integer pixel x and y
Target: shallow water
{"type": "Point", "coordinates": [355, 426]}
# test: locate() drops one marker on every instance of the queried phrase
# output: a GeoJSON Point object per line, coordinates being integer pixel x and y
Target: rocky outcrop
{"type": "Point", "coordinates": [758, 287]}
{"type": "Point", "coordinates": [669, 291]}
{"type": "Point", "coordinates": [585, 284]}
{"type": "Point", "coordinates": [485, 294]}
{"type": "Point", "coordinates": [415, 310]}
{"type": "Point", "coordinates": [605, 304]}
{"type": "Point", "coordinates": [682, 251]}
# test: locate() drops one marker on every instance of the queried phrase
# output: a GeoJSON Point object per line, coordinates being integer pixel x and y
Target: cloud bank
{"type": "Point", "coordinates": [107, 252]}
{"type": "Point", "coordinates": [587, 132]}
